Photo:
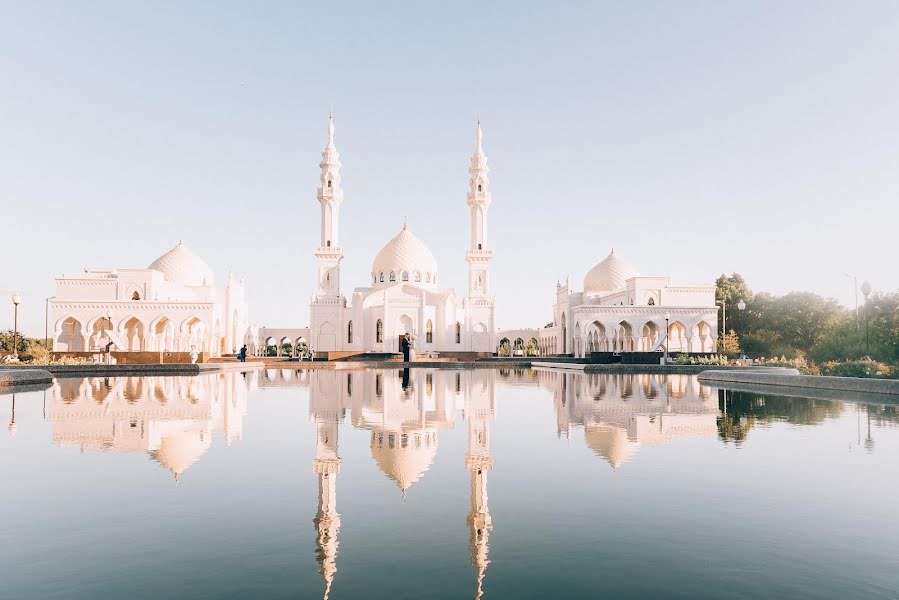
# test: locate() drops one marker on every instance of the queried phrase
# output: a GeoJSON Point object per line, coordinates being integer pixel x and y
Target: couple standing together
{"type": "Point", "coordinates": [407, 346]}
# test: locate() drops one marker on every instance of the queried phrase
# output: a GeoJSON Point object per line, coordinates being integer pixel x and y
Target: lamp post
{"type": "Point", "coordinates": [855, 289]}
{"type": "Point", "coordinates": [866, 291]}
{"type": "Point", "coordinates": [46, 321]}
{"type": "Point", "coordinates": [741, 306]}
{"type": "Point", "coordinates": [667, 332]}
{"type": "Point", "coordinates": [15, 326]}
{"type": "Point", "coordinates": [723, 306]}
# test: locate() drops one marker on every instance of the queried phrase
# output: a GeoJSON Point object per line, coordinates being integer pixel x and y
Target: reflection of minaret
{"type": "Point", "coordinates": [478, 411]}
{"type": "Point", "coordinates": [327, 520]}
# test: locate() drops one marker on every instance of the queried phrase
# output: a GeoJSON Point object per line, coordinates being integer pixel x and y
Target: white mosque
{"type": "Point", "coordinates": [619, 310]}
{"type": "Point", "coordinates": [404, 297]}
{"type": "Point", "coordinates": [170, 306]}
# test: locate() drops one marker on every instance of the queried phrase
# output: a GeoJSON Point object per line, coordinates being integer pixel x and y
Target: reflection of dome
{"type": "Point", "coordinates": [405, 252]}
{"type": "Point", "coordinates": [404, 465]}
{"type": "Point", "coordinates": [611, 443]}
{"type": "Point", "coordinates": [180, 265]}
{"type": "Point", "coordinates": [610, 274]}
{"type": "Point", "coordinates": [179, 451]}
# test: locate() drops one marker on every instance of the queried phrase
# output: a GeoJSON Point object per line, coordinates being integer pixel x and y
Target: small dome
{"type": "Point", "coordinates": [178, 452]}
{"type": "Point", "coordinates": [610, 274]}
{"type": "Point", "coordinates": [180, 265]}
{"type": "Point", "coordinates": [405, 253]}
{"type": "Point", "coordinates": [404, 465]}
{"type": "Point", "coordinates": [611, 443]}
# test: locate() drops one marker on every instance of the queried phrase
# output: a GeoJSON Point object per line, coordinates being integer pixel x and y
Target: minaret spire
{"type": "Point", "coordinates": [330, 197]}
{"type": "Point", "coordinates": [478, 202]}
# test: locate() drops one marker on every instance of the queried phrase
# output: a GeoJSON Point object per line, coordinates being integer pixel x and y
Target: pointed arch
{"type": "Point", "coordinates": [429, 332]}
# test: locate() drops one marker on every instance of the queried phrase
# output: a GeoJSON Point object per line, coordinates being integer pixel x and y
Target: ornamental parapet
{"type": "Point", "coordinates": [473, 462]}
{"type": "Point", "coordinates": [326, 466]}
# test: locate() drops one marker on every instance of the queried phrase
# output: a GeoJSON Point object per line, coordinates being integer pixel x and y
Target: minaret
{"type": "Point", "coordinates": [478, 255]}
{"type": "Point", "coordinates": [330, 195]}
{"type": "Point", "coordinates": [478, 410]}
{"type": "Point", "coordinates": [327, 520]}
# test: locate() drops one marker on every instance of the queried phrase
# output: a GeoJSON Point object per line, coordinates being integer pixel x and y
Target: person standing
{"type": "Point", "coordinates": [404, 347]}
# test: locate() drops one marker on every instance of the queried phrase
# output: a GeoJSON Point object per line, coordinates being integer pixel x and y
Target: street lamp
{"type": "Point", "coordinates": [723, 306]}
{"type": "Point", "coordinates": [15, 326]}
{"type": "Point", "coordinates": [46, 321]}
{"type": "Point", "coordinates": [855, 287]}
{"type": "Point", "coordinates": [667, 332]}
{"type": "Point", "coordinates": [866, 291]}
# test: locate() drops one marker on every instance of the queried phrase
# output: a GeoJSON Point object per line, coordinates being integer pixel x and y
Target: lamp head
{"type": "Point", "coordinates": [16, 299]}
{"type": "Point", "coordinates": [667, 316]}
{"type": "Point", "coordinates": [866, 288]}
{"type": "Point", "coordinates": [741, 305]}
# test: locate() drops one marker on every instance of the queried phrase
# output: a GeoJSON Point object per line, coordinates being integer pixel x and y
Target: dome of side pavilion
{"type": "Point", "coordinates": [608, 275]}
{"type": "Point", "coordinates": [180, 265]}
{"type": "Point", "coordinates": [406, 258]}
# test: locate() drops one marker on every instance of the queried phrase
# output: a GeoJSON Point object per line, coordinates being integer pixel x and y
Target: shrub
{"type": "Point", "coordinates": [858, 368]}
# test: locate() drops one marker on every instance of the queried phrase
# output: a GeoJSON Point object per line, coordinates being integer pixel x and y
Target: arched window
{"type": "Point", "coordinates": [652, 302]}
{"type": "Point", "coordinates": [458, 332]}
{"type": "Point", "coordinates": [480, 246]}
{"type": "Point", "coordinates": [349, 332]}
{"type": "Point", "coordinates": [417, 277]}
{"type": "Point", "coordinates": [135, 296]}
{"type": "Point", "coordinates": [429, 332]}
{"type": "Point", "coordinates": [382, 277]}
{"type": "Point", "coordinates": [379, 332]}
{"type": "Point", "coordinates": [405, 275]}
{"type": "Point", "coordinates": [329, 183]}
{"type": "Point", "coordinates": [479, 187]}
{"type": "Point", "coordinates": [427, 278]}
{"type": "Point", "coordinates": [392, 276]}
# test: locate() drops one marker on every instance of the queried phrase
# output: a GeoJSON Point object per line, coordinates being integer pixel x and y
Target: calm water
{"type": "Point", "coordinates": [443, 484]}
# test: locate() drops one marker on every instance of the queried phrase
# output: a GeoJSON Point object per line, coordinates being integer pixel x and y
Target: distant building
{"type": "Point", "coordinates": [172, 305]}
{"type": "Point", "coordinates": [404, 297]}
{"type": "Point", "coordinates": [621, 311]}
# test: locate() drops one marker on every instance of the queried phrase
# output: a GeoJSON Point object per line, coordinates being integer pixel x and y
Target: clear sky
{"type": "Point", "coordinates": [696, 137]}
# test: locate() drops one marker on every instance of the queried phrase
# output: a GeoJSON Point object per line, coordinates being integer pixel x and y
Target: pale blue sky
{"type": "Point", "coordinates": [696, 138]}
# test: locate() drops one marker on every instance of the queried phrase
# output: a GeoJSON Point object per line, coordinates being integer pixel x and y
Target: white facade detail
{"type": "Point", "coordinates": [404, 297]}
{"type": "Point", "coordinates": [171, 306]}
{"type": "Point", "coordinates": [622, 311]}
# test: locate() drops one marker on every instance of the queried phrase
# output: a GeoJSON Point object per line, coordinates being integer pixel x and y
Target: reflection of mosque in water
{"type": "Point", "coordinates": [170, 418]}
{"type": "Point", "coordinates": [621, 412]}
{"type": "Point", "coordinates": [404, 411]}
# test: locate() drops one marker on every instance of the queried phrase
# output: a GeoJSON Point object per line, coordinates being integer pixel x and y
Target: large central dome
{"type": "Point", "coordinates": [610, 274]}
{"type": "Point", "coordinates": [180, 265]}
{"type": "Point", "coordinates": [407, 258]}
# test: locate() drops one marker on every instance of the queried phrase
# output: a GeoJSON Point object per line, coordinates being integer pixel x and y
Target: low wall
{"type": "Point", "coordinates": [10, 377]}
{"type": "Point", "coordinates": [138, 358]}
{"type": "Point", "coordinates": [781, 379]}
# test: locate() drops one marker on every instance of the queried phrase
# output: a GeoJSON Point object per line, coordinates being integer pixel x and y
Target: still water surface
{"type": "Point", "coordinates": [443, 484]}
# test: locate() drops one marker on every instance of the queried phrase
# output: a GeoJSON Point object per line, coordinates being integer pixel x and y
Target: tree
{"type": "Point", "coordinates": [6, 341]}
{"type": "Point", "coordinates": [730, 290]}
{"type": "Point", "coordinates": [729, 343]}
{"type": "Point", "coordinates": [843, 341]}
{"type": "Point", "coordinates": [883, 325]}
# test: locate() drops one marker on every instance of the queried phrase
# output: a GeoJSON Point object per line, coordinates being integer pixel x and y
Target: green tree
{"type": "Point", "coordinates": [6, 341]}
{"type": "Point", "coordinates": [843, 341]}
{"type": "Point", "coordinates": [883, 325]}
{"type": "Point", "coordinates": [730, 289]}
{"type": "Point", "coordinates": [789, 324]}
